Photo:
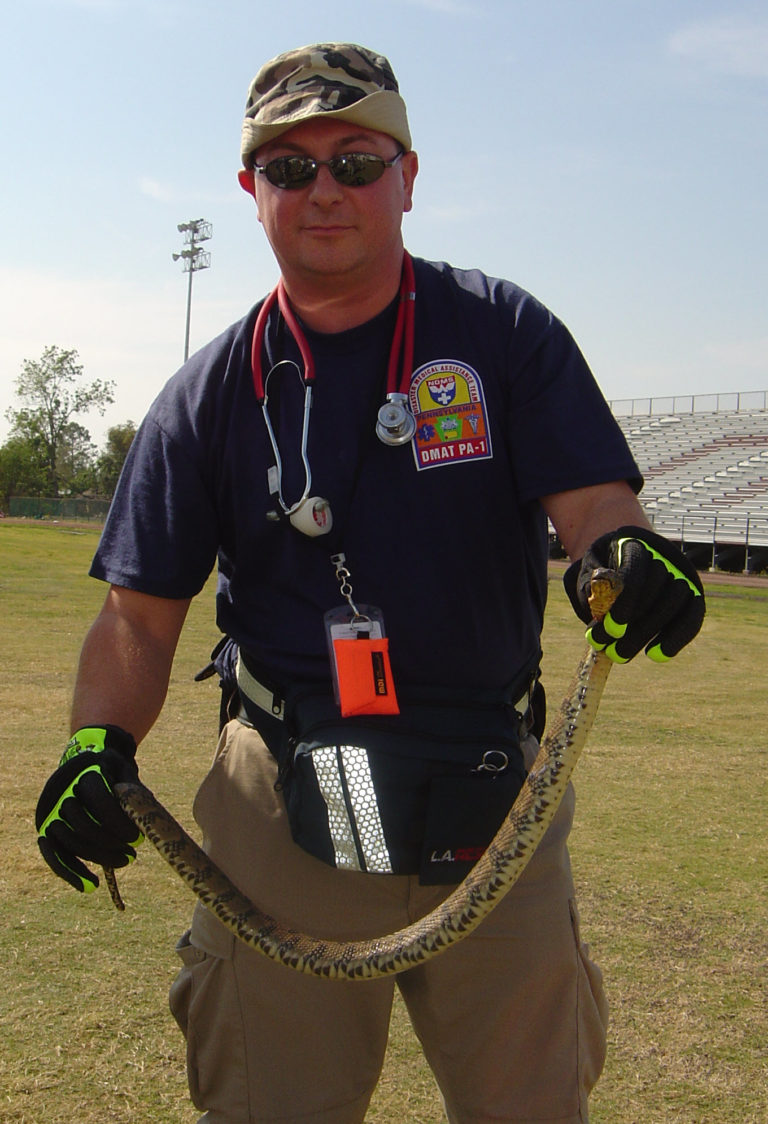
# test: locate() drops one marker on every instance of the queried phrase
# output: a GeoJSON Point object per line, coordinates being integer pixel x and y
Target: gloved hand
{"type": "Point", "coordinates": [661, 607]}
{"type": "Point", "coordinates": [78, 814]}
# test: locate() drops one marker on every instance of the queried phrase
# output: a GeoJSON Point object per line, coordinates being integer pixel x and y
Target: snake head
{"type": "Point", "coordinates": [604, 587]}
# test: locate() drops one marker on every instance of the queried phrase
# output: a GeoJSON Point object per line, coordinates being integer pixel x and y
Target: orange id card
{"type": "Point", "coordinates": [364, 677]}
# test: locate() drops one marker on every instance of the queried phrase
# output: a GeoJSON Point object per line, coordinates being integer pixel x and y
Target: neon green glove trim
{"type": "Point", "coordinates": [655, 653]}
{"type": "Point", "coordinates": [88, 885]}
{"type": "Point", "coordinates": [613, 628]}
{"type": "Point", "coordinates": [608, 649]}
{"type": "Point", "coordinates": [595, 643]}
{"type": "Point", "coordinates": [90, 737]}
{"type": "Point", "coordinates": [670, 567]}
{"type": "Point", "coordinates": [70, 792]}
{"type": "Point", "coordinates": [66, 794]}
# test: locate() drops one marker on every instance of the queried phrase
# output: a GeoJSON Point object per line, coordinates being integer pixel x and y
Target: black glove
{"type": "Point", "coordinates": [661, 607]}
{"type": "Point", "coordinates": [78, 814]}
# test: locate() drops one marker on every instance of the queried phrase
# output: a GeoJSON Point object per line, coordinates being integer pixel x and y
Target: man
{"type": "Point", "coordinates": [382, 571]}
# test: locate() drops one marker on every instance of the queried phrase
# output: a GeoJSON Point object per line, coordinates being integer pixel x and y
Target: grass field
{"type": "Point", "coordinates": [670, 855]}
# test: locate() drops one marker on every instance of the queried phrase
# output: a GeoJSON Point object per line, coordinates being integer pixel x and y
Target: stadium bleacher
{"type": "Point", "coordinates": [705, 463]}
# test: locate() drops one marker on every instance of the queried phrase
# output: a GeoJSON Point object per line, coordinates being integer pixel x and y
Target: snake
{"type": "Point", "coordinates": [491, 877]}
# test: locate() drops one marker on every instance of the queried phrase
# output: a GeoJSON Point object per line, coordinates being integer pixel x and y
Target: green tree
{"type": "Point", "coordinates": [22, 470]}
{"type": "Point", "coordinates": [53, 394]}
{"type": "Point", "coordinates": [76, 462]}
{"type": "Point", "coordinates": [110, 462]}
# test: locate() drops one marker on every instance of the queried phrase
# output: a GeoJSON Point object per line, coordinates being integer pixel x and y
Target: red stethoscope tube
{"type": "Point", "coordinates": [402, 339]}
{"type": "Point", "coordinates": [395, 424]}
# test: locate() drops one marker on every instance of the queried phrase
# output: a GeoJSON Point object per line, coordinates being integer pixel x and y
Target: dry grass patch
{"type": "Point", "coordinates": [669, 851]}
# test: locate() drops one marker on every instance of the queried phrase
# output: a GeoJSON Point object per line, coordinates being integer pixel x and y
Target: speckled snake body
{"type": "Point", "coordinates": [492, 876]}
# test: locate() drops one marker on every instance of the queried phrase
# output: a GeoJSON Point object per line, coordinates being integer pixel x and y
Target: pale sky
{"type": "Point", "coordinates": [610, 156]}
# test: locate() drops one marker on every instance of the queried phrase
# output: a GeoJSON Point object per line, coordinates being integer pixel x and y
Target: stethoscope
{"type": "Point", "coordinates": [395, 423]}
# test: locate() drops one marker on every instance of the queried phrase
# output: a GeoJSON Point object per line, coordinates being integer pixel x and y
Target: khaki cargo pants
{"type": "Point", "coordinates": [511, 1020]}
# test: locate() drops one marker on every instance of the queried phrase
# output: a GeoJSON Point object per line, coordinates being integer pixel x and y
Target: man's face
{"type": "Point", "coordinates": [325, 231]}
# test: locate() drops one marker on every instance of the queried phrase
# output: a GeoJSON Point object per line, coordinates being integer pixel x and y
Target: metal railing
{"type": "Point", "coordinates": [713, 542]}
{"type": "Point", "coordinates": [730, 402]}
{"type": "Point", "coordinates": [719, 530]}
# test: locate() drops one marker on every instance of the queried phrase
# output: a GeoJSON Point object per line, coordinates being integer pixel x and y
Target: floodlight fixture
{"type": "Point", "coordinates": [193, 259]}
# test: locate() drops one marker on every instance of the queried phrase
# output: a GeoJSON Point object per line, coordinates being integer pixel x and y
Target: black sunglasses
{"type": "Point", "coordinates": [350, 169]}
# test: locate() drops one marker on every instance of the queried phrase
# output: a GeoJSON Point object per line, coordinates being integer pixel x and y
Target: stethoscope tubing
{"type": "Point", "coordinates": [278, 296]}
{"type": "Point", "coordinates": [403, 338]}
{"type": "Point", "coordinates": [402, 344]}
{"type": "Point", "coordinates": [289, 510]}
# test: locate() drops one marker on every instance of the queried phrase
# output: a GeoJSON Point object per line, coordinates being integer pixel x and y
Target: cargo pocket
{"type": "Point", "coordinates": [204, 1001]}
{"type": "Point", "coordinates": [180, 995]}
{"type": "Point", "coordinates": [592, 1013]}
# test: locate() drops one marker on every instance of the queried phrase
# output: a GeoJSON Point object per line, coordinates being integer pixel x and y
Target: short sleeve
{"type": "Point", "coordinates": [562, 434]}
{"type": "Point", "coordinates": [160, 536]}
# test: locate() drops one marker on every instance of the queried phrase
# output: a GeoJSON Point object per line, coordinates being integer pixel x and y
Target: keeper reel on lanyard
{"type": "Point", "coordinates": [395, 423]}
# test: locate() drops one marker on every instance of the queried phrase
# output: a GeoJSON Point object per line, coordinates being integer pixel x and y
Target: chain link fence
{"type": "Point", "coordinates": [80, 510]}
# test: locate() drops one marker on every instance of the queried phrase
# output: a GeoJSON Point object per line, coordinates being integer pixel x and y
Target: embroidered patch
{"type": "Point", "coordinates": [447, 401]}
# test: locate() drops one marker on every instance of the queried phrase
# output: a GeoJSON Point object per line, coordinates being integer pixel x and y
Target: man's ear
{"type": "Point", "coordinates": [410, 169]}
{"type": "Point", "coordinates": [247, 180]}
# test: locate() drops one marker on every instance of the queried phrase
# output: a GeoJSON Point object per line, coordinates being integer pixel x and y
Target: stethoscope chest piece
{"type": "Point", "coordinates": [395, 424]}
{"type": "Point", "coordinates": [312, 516]}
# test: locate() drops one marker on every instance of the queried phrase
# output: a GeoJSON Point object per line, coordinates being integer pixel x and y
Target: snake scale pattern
{"type": "Point", "coordinates": [490, 879]}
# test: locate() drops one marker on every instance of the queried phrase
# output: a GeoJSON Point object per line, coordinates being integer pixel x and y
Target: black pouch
{"type": "Point", "coordinates": [463, 815]}
{"type": "Point", "coordinates": [422, 792]}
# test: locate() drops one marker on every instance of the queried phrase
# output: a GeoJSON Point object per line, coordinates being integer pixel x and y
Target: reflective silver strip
{"type": "Point", "coordinates": [256, 692]}
{"type": "Point", "coordinates": [346, 785]}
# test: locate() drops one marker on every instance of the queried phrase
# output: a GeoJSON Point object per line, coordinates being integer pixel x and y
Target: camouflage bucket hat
{"type": "Point", "coordinates": [335, 80]}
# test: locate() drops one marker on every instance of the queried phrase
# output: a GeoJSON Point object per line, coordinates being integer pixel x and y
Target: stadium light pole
{"type": "Point", "coordinates": [194, 258]}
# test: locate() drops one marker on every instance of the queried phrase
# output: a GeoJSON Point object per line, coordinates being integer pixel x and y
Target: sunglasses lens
{"type": "Point", "coordinates": [290, 171]}
{"type": "Point", "coordinates": [351, 169]}
{"type": "Point", "coordinates": [356, 169]}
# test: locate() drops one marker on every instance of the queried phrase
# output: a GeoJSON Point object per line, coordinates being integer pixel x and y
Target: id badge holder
{"type": "Point", "coordinates": [359, 656]}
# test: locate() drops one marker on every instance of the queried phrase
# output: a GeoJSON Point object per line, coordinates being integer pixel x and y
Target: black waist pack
{"type": "Point", "coordinates": [422, 792]}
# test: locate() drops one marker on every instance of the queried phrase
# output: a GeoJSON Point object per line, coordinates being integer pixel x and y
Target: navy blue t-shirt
{"type": "Point", "coordinates": [445, 534]}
